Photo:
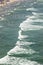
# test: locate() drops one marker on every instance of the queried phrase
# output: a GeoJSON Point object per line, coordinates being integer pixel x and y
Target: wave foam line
{"type": "Point", "coordinates": [17, 61]}
{"type": "Point", "coordinates": [24, 43]}
{"type": "Point", "coordinates": [5, 60]}
{"type": "Point", "coordinates": [38, 14]}
{"type": "Point", "coordinates": [28, 23]}
{"type": "Point", "coordinates": [20, 37]}
{"type": "Point", "coordinates": [26, 27]}
{"type": "Point", "coordinates": [31, 9]}
{"type": "Point", "coordinates": [20, 50]}
{"type": "Point", "coordinates": [8, 13]}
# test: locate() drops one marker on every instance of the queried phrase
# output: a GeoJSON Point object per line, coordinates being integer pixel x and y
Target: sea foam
{"type": "Point", "coordinates": [20, 37]}
{"type": "Point", "coordinates": [31, 9]}
{"type": "Point", "coordinates": [17, 61]}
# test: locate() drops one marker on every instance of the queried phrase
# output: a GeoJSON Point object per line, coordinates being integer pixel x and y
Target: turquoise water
{"type": "Point", "coordinates": [21, 34]}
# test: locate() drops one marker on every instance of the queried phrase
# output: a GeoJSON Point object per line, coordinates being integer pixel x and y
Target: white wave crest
{"type": "Point", "coordinates": [5, 60]}
{"type": "Point", "coordinates": [20, 50]}
{"type": "Point", "coordinates": [21, 36]}
{"type": "Point", "coordinates": [31, 9]}
{"type": "Point", "coordinates": [26, 27]}
{"type": "Point", "coordinates": [17, 61]}
{"type": "Point", "coordinates": [24, 43]}
{"type": "Point", "coordinates": [1, 18]}
{"type": "Point", "coordinates": [38, 14]}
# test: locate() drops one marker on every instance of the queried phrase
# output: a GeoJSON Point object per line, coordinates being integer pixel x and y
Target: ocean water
{"type": "Point", "coordinates": [21, 34]}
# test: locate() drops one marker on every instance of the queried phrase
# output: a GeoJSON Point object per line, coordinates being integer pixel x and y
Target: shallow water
{"type": "Point", "coordinates": [21, 28]}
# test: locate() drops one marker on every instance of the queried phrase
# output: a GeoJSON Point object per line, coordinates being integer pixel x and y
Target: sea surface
{"type": "Point", "coordinates": [21, 34]}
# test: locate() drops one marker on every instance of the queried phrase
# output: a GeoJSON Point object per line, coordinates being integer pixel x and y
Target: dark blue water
{"type": "Point", "coordinates": [21, 34]}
